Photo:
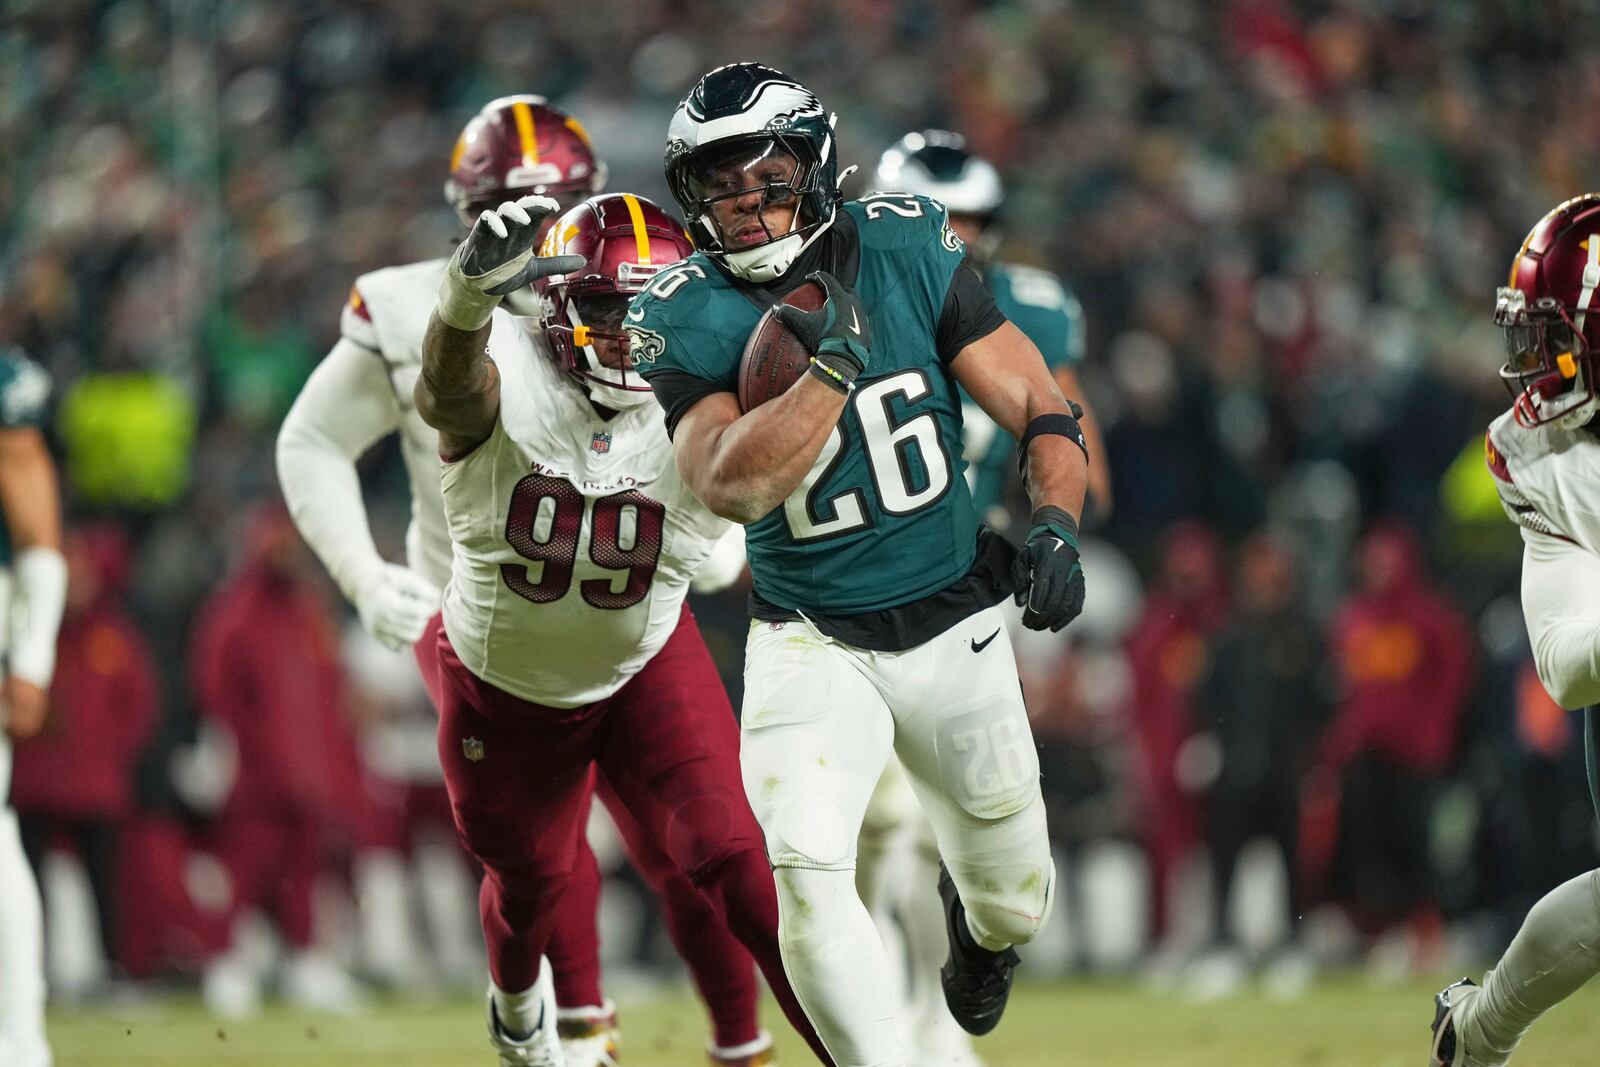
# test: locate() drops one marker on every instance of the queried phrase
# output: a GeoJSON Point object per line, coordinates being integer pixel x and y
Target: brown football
{"type": "Point", "coordinates": [774, 359]}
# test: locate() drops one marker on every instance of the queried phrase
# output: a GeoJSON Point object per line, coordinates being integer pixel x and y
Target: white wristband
{"type": "Point", "coordinates": [460, 305]}
{"type": "Point", "coordinates": [41, 597]}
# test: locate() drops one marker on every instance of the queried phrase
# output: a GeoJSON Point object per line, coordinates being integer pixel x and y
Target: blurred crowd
{"type": "Point", "coordinates": [1284, 218]}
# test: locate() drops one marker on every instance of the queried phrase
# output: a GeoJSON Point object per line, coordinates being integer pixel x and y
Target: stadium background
{"type": "Point", "coordinates": [1284, 219]}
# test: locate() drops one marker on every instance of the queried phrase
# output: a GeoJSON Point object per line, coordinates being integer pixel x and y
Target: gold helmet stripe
{"type": "Point", "coordinates": [641, 237]}
{"type": "Point", "coordinates": [523, 113]}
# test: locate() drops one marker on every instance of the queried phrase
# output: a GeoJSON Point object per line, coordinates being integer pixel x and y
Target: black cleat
{"type": "Point", "coordinates": [976, 981]}
{"type": "Point", "coordinates": [1444, 1024]}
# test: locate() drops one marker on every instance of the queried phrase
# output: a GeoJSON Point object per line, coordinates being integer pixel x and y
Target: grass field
{"type": "Point", "coordinates": [1341, 1023]}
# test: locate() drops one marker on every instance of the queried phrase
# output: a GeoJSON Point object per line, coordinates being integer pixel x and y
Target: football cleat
{"type": "Point", "coordinates": [589, 1036]}
{"type": "Point", "coordinates": [542, 1048]}
{"type": "Point", "coordinates": [976, 981]}
{"type": "Point", "coordinates": [757, 1053]}
{"type": "Point", "coordinates": [1446, 1049]}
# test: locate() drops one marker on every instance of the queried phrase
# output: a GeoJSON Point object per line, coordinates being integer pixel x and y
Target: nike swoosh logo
{"type": "Point", "coordinates": [979, 646]}
{"type": "Point", "coordinates": [855, 323]}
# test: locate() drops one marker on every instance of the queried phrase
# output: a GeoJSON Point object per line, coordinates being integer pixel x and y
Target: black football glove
{"type": "Point", "coordinates": [497, 258]}
{"type": "Point", "coordinates": [838, 333]}
{"type": "Point", "coordinates": [1047, 573]}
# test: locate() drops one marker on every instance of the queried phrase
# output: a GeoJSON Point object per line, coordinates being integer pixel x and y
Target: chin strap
{"type": "Point", "coordinates": [1591, 280]}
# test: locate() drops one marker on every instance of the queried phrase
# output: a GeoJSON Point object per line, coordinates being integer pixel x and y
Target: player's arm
{"type": "Point", "coordinates": [1561, 605]}
{"type": "Point", "coordinates": [347, 405]}
{"type": "Point", "coordinates": [743, 466]}
{"type": "Point", "coordinates": [31, 502]}
{"type": "Point", "coordinates": [458, 391]}
{"type": "Point", "coordinates": [1099, 466]}
{"type": "Point", "coordinates": [1005, 374]}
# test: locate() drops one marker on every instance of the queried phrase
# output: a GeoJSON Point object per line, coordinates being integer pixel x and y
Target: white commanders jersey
{"type": "Point", "coordinates": [1548, 479]}
{"type": "Point", "coordinates": [388, 314]}
{"type": "Point", "coordinates": [575, 538]}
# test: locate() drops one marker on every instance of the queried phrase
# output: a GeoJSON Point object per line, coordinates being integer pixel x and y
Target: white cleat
{"type": "Point", "coordinates": [231, 990]}
{"type": "Point", "coordinates": [313, 982]}
{"type": "Point", "coordinates": [589, 1036]}
{"type": "Point", "coordinates": [542, 1048]}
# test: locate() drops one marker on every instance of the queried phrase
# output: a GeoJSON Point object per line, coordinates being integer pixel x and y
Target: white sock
{"type": "Point", "coordinates": [1553, 955]}
{"type": "Point", "coordinates": [520, 1013]}
{"type": "Point", "coordinates": [22, 990]}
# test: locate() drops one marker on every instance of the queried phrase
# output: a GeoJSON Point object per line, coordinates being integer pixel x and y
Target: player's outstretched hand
{"type": "Point", "coordinates": [1047, 573]}
{"type": "Point", "coordinates": [395, 604]}
{"type": "Point", "coordinates": [497, 258]}
{"type": "Point", "coordinates": [838, 332]}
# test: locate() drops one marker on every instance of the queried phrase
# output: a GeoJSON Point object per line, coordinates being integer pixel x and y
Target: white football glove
{"type": "Point", "coordinates": [395, 604]}
{"type": "Point", "coordinates": [497, 258]}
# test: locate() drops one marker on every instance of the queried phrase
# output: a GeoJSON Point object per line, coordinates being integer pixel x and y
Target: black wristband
{"type": "Point", "coordinates": [832, 378]}
{"type": "Point", "coordinates": [1050, 515]}
{"type": "Point", "coordinates": [843, 362]}
{"type": "Point", "coordinates": [1054, 424]}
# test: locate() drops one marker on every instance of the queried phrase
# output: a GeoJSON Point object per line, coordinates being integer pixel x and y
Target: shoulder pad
{"type": "Point", "coordinates": [899, 220]}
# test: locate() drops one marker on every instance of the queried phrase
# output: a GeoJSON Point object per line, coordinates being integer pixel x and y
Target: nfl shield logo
{"type": "Point", "coordinates": [600, 443]}
{"type": "Point", "coordinates": [472, 748]}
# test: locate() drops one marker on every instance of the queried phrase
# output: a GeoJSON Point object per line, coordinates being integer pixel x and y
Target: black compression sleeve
{"type": "Point", "coordinates": [969, 314]}
{"type": "Point", "coordinates": [677, 392]}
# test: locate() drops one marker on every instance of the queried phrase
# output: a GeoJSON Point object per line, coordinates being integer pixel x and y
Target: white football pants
{"type": "Point", "coordinates": [22, 1040]}
{"type": "Point", "coordinates": [820, 720]}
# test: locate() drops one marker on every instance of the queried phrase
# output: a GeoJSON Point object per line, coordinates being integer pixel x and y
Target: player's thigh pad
{"type": "Point", "coordinates": [962, 733]}
{"type": "Point", "coordinates": [815, 735]}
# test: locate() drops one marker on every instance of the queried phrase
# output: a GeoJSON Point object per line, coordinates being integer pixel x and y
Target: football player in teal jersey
{"type": "Point", "coordinates": [33, 593]}
{"type": "Point", "coordinates": [936, 164]}
{"type": "Point", "coordinates": [877, 624]}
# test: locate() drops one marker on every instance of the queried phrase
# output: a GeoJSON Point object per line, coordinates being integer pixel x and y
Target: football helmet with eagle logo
{"type": "Point", "coordinates": [745, 128]}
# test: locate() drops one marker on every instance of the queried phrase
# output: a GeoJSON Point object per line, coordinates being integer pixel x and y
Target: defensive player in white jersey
{"type": "Point", "coordinates": [1544, 455]}
{"type": "Point", "coordinates": [33, 591]}
{"type": "Point", "coordinates": [360, 394]}
{"type": "Point", "coordinates": [565, 646]}
{"type": "Point", "coordinates": [937, 164]}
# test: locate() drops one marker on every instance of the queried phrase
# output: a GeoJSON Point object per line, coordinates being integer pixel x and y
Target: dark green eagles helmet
{"type": "Point", "coordinates": [737, 131]}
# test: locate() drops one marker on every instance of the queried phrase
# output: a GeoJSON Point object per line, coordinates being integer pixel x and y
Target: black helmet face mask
{"type": "Point", "coordinates": [751, 191]}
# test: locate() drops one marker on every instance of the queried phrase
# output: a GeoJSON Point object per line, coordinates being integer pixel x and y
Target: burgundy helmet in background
{"type": "Point", "coordinates": [1550, 312]}
{"type": "Point", "coordinates": [518, 145]}
{"type": "Point", "coordinates": [625, 241]}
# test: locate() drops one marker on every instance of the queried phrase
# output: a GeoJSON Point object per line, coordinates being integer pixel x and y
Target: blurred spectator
{"type": "Point", "coordinates": [265, 660]}
{"type": "Point", "coordinates": [1263, 703]}
{"type": "Point", "coordinates": [73, 784]}
{"type": "Point", "coordinates": [1169, 650]}
{"type": "Point", "coordinates": [1405, 660]}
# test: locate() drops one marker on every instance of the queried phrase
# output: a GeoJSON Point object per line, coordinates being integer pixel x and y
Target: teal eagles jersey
{"type": "Point", "coordinates": [884, 517]}
{"type": "Point", "coordinates": [1045, 310]}
{"type": "Point", "coordinates": [24, 391]}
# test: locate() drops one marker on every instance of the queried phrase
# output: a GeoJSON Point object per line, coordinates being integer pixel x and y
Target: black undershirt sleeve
{"type": "Point", "coordinates": [969, 314]}
{"type": "Point", "coordinates": [678, 391]}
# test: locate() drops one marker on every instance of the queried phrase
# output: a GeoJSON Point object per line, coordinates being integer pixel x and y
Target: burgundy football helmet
{"type": "Point", "coordinates": [1552, 339]}
{"type": "Point", "coordinates": [625, 241]}
{"type": "Point", "coordinates": [519, 145]}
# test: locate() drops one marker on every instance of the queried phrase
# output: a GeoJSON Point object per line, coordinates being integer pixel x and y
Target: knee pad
{"type": "Point", "coordinates": [808, 830]}
{"type": "Point", "coordinates": [1009, 903]}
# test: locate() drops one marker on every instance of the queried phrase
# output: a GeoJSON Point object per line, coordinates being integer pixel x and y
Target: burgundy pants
{"type": "Point", "coordinates": [666, 744]}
